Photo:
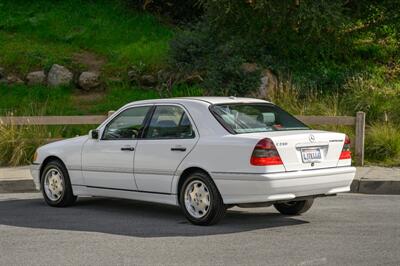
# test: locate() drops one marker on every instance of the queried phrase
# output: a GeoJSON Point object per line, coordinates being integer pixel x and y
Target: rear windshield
{"type": "Point", "coordinates": [248, 118]}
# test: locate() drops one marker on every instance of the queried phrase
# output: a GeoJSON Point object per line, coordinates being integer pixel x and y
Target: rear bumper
{"type": "Point", "coordinates": [238, 188]}
{"type": "Point", "coordinates": [35, 172]}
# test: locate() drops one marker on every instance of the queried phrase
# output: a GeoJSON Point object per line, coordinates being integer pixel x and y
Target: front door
{"type": "Point", "coordinates": [168, 138]}
{"type": "Point", "coordinates": [107, 162]}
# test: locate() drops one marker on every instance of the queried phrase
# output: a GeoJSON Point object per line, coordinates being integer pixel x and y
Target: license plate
{"type": "Point", "coordinates": [311, 155]}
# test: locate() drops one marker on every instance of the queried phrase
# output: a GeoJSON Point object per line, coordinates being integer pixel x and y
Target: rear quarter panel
{"type": "Point", "coordinates": [228, 154]}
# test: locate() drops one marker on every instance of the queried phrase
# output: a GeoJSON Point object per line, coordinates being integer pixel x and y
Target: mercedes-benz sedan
{"type": "Point", "coordinates": [204, 154]}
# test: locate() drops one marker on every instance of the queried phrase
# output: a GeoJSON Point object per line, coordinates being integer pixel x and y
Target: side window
{"type": "Point", "coordinates": [127, 125]}
{"type": "Point", "coordinates": [169, 122]}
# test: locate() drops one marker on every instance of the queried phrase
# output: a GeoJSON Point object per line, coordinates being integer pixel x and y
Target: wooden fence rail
{"type": "Point", "coordinates": [358, 121]}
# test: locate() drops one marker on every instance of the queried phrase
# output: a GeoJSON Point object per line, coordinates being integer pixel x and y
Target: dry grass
{"type": "Point", "coordinates": [18, 143]}
{"type": "Point", "coordinates": [382, 144]}
{"type": "Point", "coordinates": [311, 103]}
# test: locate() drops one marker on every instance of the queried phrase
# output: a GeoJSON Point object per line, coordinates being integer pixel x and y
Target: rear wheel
{"type": "Point", "coordinates": [56, 186]}
{"type": "Point", "coordinates": [294, 207]}
{"type": "Point", "coordinates": [200, 200]}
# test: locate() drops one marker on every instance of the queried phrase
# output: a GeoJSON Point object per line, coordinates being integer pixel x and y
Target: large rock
{"type": "Point", "coordinates": [269, 84]}
{"type": "Point", "coordinates": [148, 80]}
{"type": "Point", "coordinates": [59, 75]}
{"type": "Point", "coordinates": [163, 76]}
{"type": "Point", "coordinates": [36, 78]}
{"type": "Point", "coordinates": [193, 79]}
{"type": "Point", "coordinates": [89, 80]}
{"type": "Point", "coordinates": [13, 79]}
{"type": "Point", "coordinates": [134, 75]}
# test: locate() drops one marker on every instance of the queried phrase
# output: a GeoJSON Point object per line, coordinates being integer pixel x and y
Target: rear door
{"type": "Point", "coordinates": [167, 140]}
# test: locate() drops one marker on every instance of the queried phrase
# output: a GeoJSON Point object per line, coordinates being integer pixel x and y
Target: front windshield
{"type": "Point", "coordinates": [255, 117]}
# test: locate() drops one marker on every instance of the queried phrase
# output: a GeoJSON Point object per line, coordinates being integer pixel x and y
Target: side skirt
{"type": "Point", "coordinates": [163, 198]}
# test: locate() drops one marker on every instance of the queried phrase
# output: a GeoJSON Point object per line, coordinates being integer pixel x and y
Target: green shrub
{"type": "Point", "coordinates": [219, 63]}
{"type": "Point", "coordinates": [379, 99]}
{"type": "Point", "coordinates": [177, 10]}
{"type": "Point", "coordinates": [382, 144]}
{"type": "Point", "coordinates": [302, 41]}
{"type": "Point", "coordinates": [314, 44]}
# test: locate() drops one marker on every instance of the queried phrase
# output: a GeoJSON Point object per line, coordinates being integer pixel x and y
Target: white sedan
{"type": "Point", "coordinates": [204, 154]}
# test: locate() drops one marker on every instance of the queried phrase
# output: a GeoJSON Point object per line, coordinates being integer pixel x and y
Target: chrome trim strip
{"type": "Point", "coordinates": [282, 175]}
{"type": "Point", "coordinates": [239, 177]}
{"type": "Point", "coordinates": [144, 171]}
{"type": "Point", "coordinates": [126, 171]}
{"type": "Point", "coordinates": [241, 173]}
{"type": "Point", "coordinates": [108, 169]}
{"type": "Point", "coordinates": [281, 172]}
{"type": "Point", "coordinates": [129, 190]}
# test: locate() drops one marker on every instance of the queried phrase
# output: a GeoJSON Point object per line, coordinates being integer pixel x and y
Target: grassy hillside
{"type": "Point", "coordinates": [38, 100]}
{"type": "Point", "coordinates": [35, 34]}
{"type": "Point", "coordinates": [109, 36]}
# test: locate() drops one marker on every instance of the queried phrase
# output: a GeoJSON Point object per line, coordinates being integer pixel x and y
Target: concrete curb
{"type": "Point", "coordinates": [17, 186]}
{"type": "Point", "coordinates": [386, 187]}
{"type": "Point", "coordinates": [377, 180]}
{"type": "Point", "coordinates": [16, 179]}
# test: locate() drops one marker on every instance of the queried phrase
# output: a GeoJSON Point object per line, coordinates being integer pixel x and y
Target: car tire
{"type": "Point", "coordinates": [200, 200]}
{"type": "Point", "coordinates": [56, 185]}
{"type": "Point", "coordinates": [294, 207]}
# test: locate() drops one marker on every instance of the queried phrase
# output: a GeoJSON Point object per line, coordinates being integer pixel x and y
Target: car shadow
{"type": "Point", "coordinates": [132, 218]}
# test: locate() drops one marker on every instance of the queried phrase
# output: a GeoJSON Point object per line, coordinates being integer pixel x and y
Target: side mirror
{"type": "Point", "coordinates": [94, 134]}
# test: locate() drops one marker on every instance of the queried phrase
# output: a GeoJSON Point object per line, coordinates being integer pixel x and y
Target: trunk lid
{"type": "Point", "coordinates": [306, 149]}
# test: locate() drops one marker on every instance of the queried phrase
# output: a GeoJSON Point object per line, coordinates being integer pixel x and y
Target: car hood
{"type": "Point", "coordinates": [75, 141]}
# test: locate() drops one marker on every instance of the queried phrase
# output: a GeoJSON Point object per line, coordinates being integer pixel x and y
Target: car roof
{"type": "Point", "coordinates": [206, 99]}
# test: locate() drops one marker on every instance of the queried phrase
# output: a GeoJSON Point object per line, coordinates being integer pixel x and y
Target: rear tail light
{"type": "Point", "coordinates": [265, 153]}
{"type": "Point", "coordinates": [346, 153]}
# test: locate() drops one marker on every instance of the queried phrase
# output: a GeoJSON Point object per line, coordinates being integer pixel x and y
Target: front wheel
{"type": "Point", "coordinates": [200, 200]}
{"type": "Point", "coordinates": [56, 186]}
{"type": "Point", "coordinates": [294, 207]}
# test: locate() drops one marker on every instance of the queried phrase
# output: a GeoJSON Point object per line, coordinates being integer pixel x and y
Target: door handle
{"type": "Point", "coordinates": [178, 149]}
{"type": "Point", "coordinates": [127, 148]}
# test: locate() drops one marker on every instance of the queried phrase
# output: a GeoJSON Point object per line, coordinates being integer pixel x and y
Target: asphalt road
{"type": "Point", "coordinates": [351, 229]}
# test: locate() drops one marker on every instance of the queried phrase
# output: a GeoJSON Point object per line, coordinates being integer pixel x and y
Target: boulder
{"type": "Point", "coordinates": [193, 79]}
{"type": "Point", "coordinates": [59, 75]}
{"type": "Point", "coordinates": [89, 80]}
{"type": "Point", "coordinates": [163, 76]}
{"type": "Point", "coordinates": [148, 80]}
{"type": "Point", "coordinates": [269, 84]}
{"type": "Point", "coordinates": [134, 75]}
{"type": "Point", "coordinates": [13, 79]}
{"type": "Point", "coordinates": [36, 78]}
